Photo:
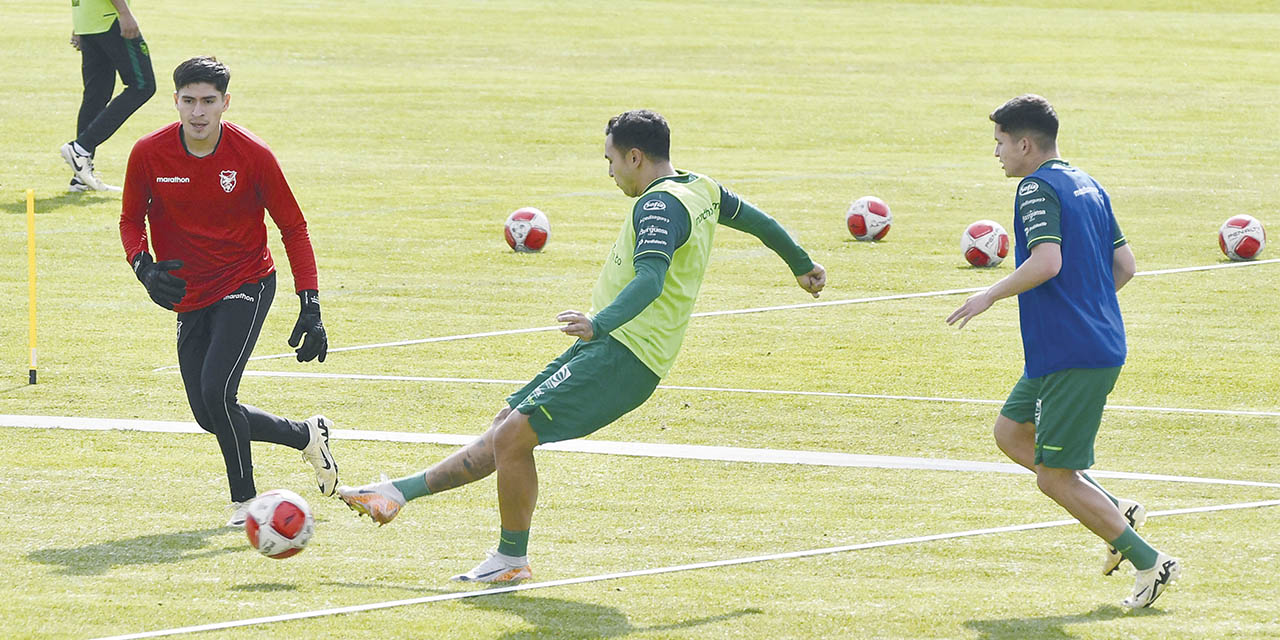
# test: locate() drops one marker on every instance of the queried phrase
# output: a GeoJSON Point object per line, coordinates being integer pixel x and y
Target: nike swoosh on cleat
{"type": "Point", "coordinates": [1128, 515]}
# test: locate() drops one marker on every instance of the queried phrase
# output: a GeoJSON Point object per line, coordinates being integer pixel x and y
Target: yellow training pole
{"type": "Point", "coordinates": [31, 280]}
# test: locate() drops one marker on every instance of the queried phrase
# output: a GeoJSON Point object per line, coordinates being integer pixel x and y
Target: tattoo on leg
{"type": "Point", "coordinates": [473, 462]}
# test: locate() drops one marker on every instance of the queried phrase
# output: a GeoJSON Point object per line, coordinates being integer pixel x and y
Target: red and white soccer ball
{"type": "Point", "coordinates": [868, 218]}
{"type": "Point", "coordinates": [984, 243]}
{"type": "Point", "coordinates": [1242, 237]}
{"type": "Point", "coordinates": [527, 230]}
{"type": "Point", "coordinates": [279, 523]}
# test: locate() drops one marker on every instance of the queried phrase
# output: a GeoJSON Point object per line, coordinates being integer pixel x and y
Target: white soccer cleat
{"type": "Point", "coordinates": [239, 513]}
{"type": "Point", "coordinates": [317, 453]}
{"type": "Point", "coordinates": [1149, 584]}
{"type": "Point", "coordinates": [79, 187]}
{"type": "Point", "coordinates": [1136, 514]}
{"type": "Point", "coordinates": [498, 568]}
{"type": "Point", "coordinates": [82, 165]}
{"type": "Point", "coordinates": [102, 185]}
{"type": "Point", "coordinates": [381, 501]}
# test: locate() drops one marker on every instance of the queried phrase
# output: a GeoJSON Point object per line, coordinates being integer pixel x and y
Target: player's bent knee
{"type": "Point", "coordinates": [502, 415]}
{"type": "Point", "coordinates": [514, 436]}
{"type": "Point", "coordinates": [216, 403]}
{"type": "Point", "coordinates": [1051, 480]}
{"type": "Point", "coordinates": [142, 92]}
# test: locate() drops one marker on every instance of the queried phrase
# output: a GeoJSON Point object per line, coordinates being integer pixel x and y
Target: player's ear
{"type": "Point", "coordinates": [226, 101]}
{"type": "Point", "coordinates": [175, 99]}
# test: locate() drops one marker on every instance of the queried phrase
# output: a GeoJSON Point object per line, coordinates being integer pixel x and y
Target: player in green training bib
{"type": "Point", "coordinates": [640, 309]}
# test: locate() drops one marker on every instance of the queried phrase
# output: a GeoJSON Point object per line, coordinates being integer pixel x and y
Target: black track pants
{"type": "Point", "coordinates": [102, 57]}
{"type": "Point", "coordinates": [214, 343]}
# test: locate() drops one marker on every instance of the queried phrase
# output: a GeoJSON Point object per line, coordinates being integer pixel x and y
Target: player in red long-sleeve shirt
{"type": "Point", "coordinates": [203, 185]}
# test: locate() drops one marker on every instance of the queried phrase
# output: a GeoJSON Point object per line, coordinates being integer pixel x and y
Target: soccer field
{"type": "Point", "coordinates": [826, 470]}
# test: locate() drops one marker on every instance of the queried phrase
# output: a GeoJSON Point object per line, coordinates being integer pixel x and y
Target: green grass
{"type": "Point", "coordinates": [409, 131]}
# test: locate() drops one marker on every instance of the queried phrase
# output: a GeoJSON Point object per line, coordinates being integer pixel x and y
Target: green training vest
{"type": "Point", "coordinates": [655, 335]}
{"type": "Point", "coordinates": [92, 16]}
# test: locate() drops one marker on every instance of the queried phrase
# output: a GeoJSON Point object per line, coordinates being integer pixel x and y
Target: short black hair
{"type": "Point", "coordinates": [641, 129]}
{"type": "Point", "coordinates": [1029, 114]}
{"type": "Point", "coordinates": [202, 69]}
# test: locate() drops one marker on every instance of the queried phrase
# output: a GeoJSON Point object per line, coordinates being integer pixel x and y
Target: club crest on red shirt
{"type": "Point", "coordinates": [228, 180]}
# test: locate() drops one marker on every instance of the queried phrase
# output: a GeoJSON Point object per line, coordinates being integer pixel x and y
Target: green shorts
{"type": "Point", "coordinates": [1066, 407]}
{"type": "Point", "coordinates": [584, 389]}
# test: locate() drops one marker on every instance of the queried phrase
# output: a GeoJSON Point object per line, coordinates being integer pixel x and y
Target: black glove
{"type": "Point", "coordinates": [316, 342]}
{"type": "Point", "coordinates": [164, 288]}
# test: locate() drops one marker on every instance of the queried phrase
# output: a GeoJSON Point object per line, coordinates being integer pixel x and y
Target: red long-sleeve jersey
{"type": "Point", "coordinates": [208, 212]}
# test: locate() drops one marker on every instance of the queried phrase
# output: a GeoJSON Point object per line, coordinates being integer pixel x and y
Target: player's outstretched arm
{"type": "Point", "coordinates": [745, 217]}
{"type": "Point", "coordinates": [1044, 263]}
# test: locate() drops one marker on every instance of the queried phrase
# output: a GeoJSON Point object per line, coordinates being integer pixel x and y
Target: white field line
{"type": "Point", "coordinates": [707, 314]}
{"type": "Point", "coordinates": [781, 392]}
{"type": "Point", "coordinates": [789, 555]}
{"type": "Point", "coordinates": [638, 449]}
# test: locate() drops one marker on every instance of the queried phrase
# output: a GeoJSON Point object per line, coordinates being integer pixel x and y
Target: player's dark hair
{"type": "Point", "coordinates": [641, 129]}
{"type": "Point", "coordinates": [1029, 114]}
{"type": "Point", "coordinates": [202, 69]}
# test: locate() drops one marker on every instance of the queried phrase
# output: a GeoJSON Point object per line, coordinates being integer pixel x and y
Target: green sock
{"type": "Point", "coordinates": [414, 486]}
{"type": "Point", "coordinates": [516, 543]}
{"type": "Point", "coordinates": [1106, 493]}
{"type": "Point", "coordinates": [1133, 547]}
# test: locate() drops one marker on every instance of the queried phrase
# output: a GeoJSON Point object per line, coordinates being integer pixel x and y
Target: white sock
{"type": "Point", "coordinates": [75, 146]}
{"type": "Point", "coordinates": [388, 487]}
{"type": "Point", "coordinates": [512, 561]}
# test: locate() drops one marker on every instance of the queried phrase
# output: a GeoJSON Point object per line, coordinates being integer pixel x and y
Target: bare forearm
{"type": "Point", "coordinates": [1044, 264]}
{"type": "Point", "coordinates": [1123, 266]}
{"type": "Point", "coordinates": [1026, 277]}
{"type": "Point", "coordinates": [122, 8]}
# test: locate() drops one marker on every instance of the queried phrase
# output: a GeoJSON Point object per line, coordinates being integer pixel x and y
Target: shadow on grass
{"type": "Point", "coordinates": [264, 587]}
{"type": "Point", "coordinates": [51, 205]}
{"type": "Point", "coordinates": [1050, 627]}
{"type": "Point", "coordinates": [166, 548]}
{"type": "Point", "coordinates": [9, 390]}
{"type": "Point", "coordinates": [552, 617]}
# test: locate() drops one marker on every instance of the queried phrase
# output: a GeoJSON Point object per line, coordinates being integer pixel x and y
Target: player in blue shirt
{"type": "Point", "coordinates": [1072, 259]}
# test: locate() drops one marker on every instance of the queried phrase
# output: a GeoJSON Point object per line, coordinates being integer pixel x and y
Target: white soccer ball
{"type": "Point", "coordinates": [1242, 237]}
{"type": "Point", "coordinates": [868, 218]}
{"type": "Point", "coordinates": [984, 243]}
{"type": "Point", "coordinates": [527, 230]}
{"type": "Point", "coordinates": [279, 523]}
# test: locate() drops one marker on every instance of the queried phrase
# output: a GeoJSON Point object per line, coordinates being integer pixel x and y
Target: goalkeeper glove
{"type": "Point", "coordinates": [316, 343]}
{"type": "Point", "coordinates": [164, 288]}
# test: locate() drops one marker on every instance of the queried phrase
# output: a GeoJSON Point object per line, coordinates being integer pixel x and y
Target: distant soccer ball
{"type": "Point", "coordinates": [984, 243]}
{"type": "Point", "coordinates": [527, 230]}
{"type": "Point", "coordinates": [279, 523]}
{"type": "Point", "coordinates": [868, 218]}
{"type": "Point", "coordinates": [1242, 237]}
